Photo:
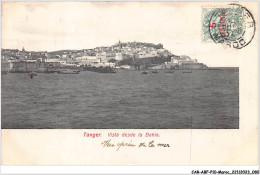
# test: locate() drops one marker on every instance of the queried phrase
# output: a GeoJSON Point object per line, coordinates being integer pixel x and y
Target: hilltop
{"type": "Point", "coordinates": [132, 54]}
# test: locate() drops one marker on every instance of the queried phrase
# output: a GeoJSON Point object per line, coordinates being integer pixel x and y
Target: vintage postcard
{"type": "Point", "coordinates": [129, 83]}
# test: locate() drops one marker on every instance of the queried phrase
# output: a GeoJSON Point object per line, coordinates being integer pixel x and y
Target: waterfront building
{"type": "Point", "coordinates": [63, 63]}
{"type": "Point", "coordinates": [174, 60]}
{"type": "Point", "coordinates": [187, 61]}
{"type": "Point", "coordinates": [170, 65]}
{"type": "Point", "coordinates": [81, 59]}
{"type": "Point", "coordinates": [193, 66]}
{"type": "Point", "coordinates": [108, 64]}
{"type": "Point", "coordinates": [23, 65]}
{"type": "Point", "coordinates": [52, 63]}
{"type": "Point", "coordinates": [88, 60]}
{"type": "Point", "coordinates": [110, 55]}
{"type": "Point", "coordinates": [102, 57]}
{"type": "Point", "coordinates": [125, 67]}
{"type": "Point", "coordinates": [71, 61]}
{"type": "Point", "coordinates": [119, 56]}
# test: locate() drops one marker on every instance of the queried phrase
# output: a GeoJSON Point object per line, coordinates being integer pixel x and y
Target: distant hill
{"type": "Point", "coordinates": [130, 52]}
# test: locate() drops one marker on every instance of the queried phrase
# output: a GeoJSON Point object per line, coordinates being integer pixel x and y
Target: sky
{"type": "Point", "coordinates": [49, 26]}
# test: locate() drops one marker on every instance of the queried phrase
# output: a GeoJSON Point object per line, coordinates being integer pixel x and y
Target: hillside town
{"type": "Point", "coordinates": [130, 55]}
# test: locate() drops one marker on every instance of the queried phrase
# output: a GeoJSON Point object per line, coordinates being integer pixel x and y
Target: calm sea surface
{"type": "Point", "coordinates": [127, 99]}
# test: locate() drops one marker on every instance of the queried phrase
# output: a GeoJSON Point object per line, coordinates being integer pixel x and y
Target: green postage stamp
{"type": "Point", "coordinates": [232, 25]}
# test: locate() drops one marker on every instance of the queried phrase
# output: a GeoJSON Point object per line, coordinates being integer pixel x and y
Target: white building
{"type": "Point", "coordinates": [88, 60]}
{"type": "Point", "coordinates": [51, 60]}
{"type": "Point", "coordinates": [161, 50]}
{"type": "Point", "coordinates": [125, 67]}
{"type": "Point", "coordinates": [106, 64]}
{"type": "Point", "coordinates": [174, 60]}
{"type": "Point", "coordinates": [102, 57]}
{"type": "Point", "coordinates": [119, 56]}
{"type": "Point", "coordinates": [147, 55]}
{"type": "Point", "coordinates": [186, 59]}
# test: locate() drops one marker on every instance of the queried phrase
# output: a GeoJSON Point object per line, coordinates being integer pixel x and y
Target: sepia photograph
{"type": "Point", "coordinates": [93, 69]}
{"type": "Point", "coordinates": [130, 83]}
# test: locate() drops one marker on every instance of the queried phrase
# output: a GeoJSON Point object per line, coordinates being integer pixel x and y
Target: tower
{"type": "Point", "coordinates": [120, 45]}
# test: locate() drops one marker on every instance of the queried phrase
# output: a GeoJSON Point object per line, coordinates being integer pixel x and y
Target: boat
{"type": "Point", "coordinates": [106, 70]}
{"type": "Point", "coordinates": [155, 71]}
{"type": "Point", "coordinates": [47, 71]}
{"type": "Point", "coordinates": [169, 71]}
{"type": "Point", "coordinates": [68, 71]}
{"type": "Point", "coordinates": [187, 72]}
{"type": "Point", "coordinates": [100, 69]}
{"type": "Point", "coordinates": [145, 72]}
{"type": "Point", "coordinates": [32, 74]}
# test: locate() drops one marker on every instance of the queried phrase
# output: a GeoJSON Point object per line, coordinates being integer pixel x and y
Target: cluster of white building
{"type": "Point", "coordinates": [102, 56]}
{"type": "Point", "coordinates": [79, 61]}
{"type": "Point", "coordinates": [99, 56]}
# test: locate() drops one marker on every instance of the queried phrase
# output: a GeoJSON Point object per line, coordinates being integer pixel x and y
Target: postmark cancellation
{"type": "Point", "coordinates": [232, 25]}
